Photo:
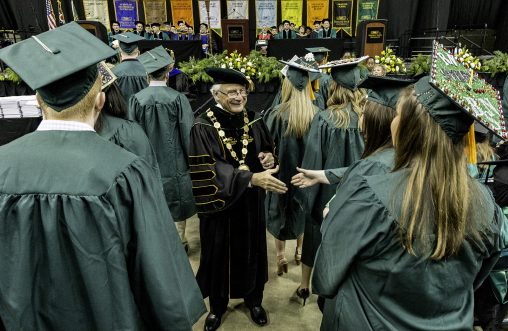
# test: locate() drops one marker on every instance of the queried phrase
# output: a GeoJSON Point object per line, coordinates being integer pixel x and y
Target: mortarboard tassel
{"type": "Point", "coordinates": [471, 146]}
{"type": "Point", "coordinates": [312, 96]}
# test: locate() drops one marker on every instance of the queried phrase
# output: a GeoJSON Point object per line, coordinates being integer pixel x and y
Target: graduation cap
{"type": "Point", "coordinates": [107, 76]}
{"type": "Point", "coordinates": [385, 90]}
{"type": "Point", "coordinates": [61, 64]}
{"type": "Point", "coordinates": [128, 41]}
{"type": "Point", "coordinates": [325, 20]}
{"type": "Point", "coordinates": [300, 70]}
{"type": "Point", "coordinates": [139, 22]}
{"type": "Point", "coordinates": [204, 24]}
{"type": "Point", "coordinates": [286, 21]}
{"type": "Point", "coordinates": [319, 52]}
{"type": "Point", "coordinates": [155, 59]}
{"type": "Point", "coordinates": [227, 76]}
{"type": "Point", "coordinates": [346, 72]}
{"type": "Point", "coordinates": [156, 24]}
{"type": "Point", "coordinates": [317, 22]}
{"type": "Point", "coordinates": [471, 97]}
{"type": "Point", "coordinates": [180, 22]}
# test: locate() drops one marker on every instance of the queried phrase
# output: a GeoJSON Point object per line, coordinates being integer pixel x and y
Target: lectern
{"type": "Point", "coordinates": [371, 37]}
{"type": "Point", "coordinates": [235, 36]}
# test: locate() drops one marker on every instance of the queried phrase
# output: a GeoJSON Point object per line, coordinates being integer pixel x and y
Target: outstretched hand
{"type": "Point", "coordinates": [266, 181]}
{"type": "Point", "coordinates": [306, 178]}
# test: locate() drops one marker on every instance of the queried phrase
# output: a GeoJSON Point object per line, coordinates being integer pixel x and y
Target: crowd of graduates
{"type": "Point", "coordinates": [368, 173]}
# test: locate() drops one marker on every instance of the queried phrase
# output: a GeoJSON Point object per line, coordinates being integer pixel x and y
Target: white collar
{"type": "Point", "coordinates": [59, 125]}
{"type": "Point", "coordinates": [157, 83]}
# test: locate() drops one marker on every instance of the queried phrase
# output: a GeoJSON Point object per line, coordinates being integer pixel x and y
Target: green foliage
{"type": "Point", "coordinates": [12, 76]}
{"type": "Point", "coordinates": [420, 65]}
{"type": "Point", "coordinates": [497, 64]}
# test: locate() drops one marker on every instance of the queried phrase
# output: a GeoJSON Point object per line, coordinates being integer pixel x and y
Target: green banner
{"type": "Point", "coordinates": [343, 16]}
{"type": "Point", "coordinates": [366, 10]}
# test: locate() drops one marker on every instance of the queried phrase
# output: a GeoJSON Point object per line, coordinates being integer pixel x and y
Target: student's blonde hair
{"type": "Point", "coordinates": [338, 101]}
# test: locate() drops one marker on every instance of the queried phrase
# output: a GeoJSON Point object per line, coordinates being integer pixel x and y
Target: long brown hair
{"type": "Point", "coordinates": [299, 107]}
{"type": "Point", "coordinates": [338, 101]}
{"type": "Point", "coordinates": [441, 202]}
{"type": "Point", "coordinates": [376, 127]}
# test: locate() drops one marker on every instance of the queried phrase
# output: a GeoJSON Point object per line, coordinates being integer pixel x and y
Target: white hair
{"type": "Point", "coordinates": [214, 90]}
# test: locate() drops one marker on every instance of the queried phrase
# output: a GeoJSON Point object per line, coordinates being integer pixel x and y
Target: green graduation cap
{"type": "Point", "coordinates": [385, 90]}
{"type": "Point", "coordinates": [128, 41]}
{"type": "Point", "coordinates": [319, 52]}
{"type": "Point", "coordinates": [61, 64]}
{"type": "Point", "coordinates": [299, 70]}
{"type": "Point", "coordinates": [156, 59]}
{"type": "Point", "coordinates": [454, 95]}
{"type": "Point", "coordinates": [346, 72]}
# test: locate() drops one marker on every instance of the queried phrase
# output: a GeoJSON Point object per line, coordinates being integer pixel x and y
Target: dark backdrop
{"type": "Point", "coordinates": [404, 16]}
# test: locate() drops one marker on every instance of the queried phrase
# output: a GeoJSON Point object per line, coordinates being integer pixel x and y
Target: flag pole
{"type": "Point", "coordinates": [207, 4]}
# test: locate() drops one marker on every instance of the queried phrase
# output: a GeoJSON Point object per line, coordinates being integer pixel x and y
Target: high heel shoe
{"type": "Point", "coordinates": [282, 266]}
{"type": "Point", "coordinates": [303, 293]}
{"type": "Point", "coordinates": [298, 256]}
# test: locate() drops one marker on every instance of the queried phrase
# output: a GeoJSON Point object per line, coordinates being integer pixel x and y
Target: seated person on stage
{"type": "Point", "coordinates": [166, 28]}
{"type": "Point", "coordinates": [190, 32]}
{"type": "Point", "coordinates": [130, 72]}
{"type": "Point", "coordinates": [264, 34]}
{"type": "Point", "coordinates": [292, 26]}
{"type": "Point", "coordinates": [327, 31]}
{"type": "Point", "coordinates": [301, 34]}
{"type": "Point", "coordinates": [87, 241]}
{"type": "Point", "coordinates": [157, 33]}
{"type": "Point", "coordinates": [308, 31]}
{"type": "Point", "coordinates": [148, 32]}
{"type": "Point", "coordinates": [140, 29]}
{"type": "Point", "coordinates": [317, 30]}
{"type": "Point", "coordinates": [274, 32]}
{"type": "Point", "coordinates": [286, 32]}
{"type": "Point", "coordinates": [115, 29]}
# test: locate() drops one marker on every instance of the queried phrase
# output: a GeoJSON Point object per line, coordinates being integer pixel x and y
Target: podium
{"type": "Point", "coordinates": [235, 36]}
{"type": "Point", "coordinates": [371, 37]}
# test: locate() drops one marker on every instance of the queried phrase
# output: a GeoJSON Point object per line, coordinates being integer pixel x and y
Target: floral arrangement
{"type": "Point", "coordinates": [467, 59]}
{"type": "Point", "coordinates": [255, 66]}
{"type": "Point", "coordinates": [10, 75]}
{"type": "Point", "coordinates": [393, 64]}
{"type": "Point", "coordinates": [420, 65]}
{"type": "Point", "coordinates": [496, 64]}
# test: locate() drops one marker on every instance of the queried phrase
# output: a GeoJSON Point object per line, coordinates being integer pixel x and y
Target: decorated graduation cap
{"type": "Point", "coordinates": [155, 59]}
{"type": "Point", "coordinates": [227, 76]}
{"type": "Point", "coordinates": [107, 76]}
{"type": "Point", "coordinates": [385, 90]}
{"type": "Point", "coordinates": [319, 52]}
{"type": "Point", "coordinates": [346, 72]}
{"type": "Point", "coordinates": [300, 70]}
{"type": "Point", "coordinates": [128, 41]}
{"type": "Point", "coordinates": [60, 64]}
{"type": "Point", "coordinates": [452, 84]}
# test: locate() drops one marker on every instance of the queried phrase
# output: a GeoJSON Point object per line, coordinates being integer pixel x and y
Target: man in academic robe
{"type": "Point", "coordinates": [327, 32]}
{"type": "Point", "coordinates": [316, 30]}
{"type": "Point", "coordinates": [167, 117]}
{"type": "Point", "coordinates": [157, 33]}
{"type": "Point", "coordinates": [115, 29]}
{"type": "Point", "coordinates": [148, 32]}
{"type": "Point", "coordinates": [130, 72]}
{"type": "Point", "coordinates": [286, 32]}
{"type": "Point", "coordinates": [231, 162]}
{"type": "Point", "coordinates": [140, 29]}
{"type": "Point", "coordinates": [203, 36]}
{"type": "Point", "coordinates": [86, 240]}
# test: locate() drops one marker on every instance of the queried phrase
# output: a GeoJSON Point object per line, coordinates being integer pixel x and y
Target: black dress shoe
{"type": "Point", "coordinates": [212, 322]}
{"type": "Point", "coordinates": [258, 315]}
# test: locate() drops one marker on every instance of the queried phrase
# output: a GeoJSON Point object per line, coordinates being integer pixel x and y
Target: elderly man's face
{"type": "Point", "coordinates": [139, 27]}
{"type": "Point", "coordinates": [232, 97]}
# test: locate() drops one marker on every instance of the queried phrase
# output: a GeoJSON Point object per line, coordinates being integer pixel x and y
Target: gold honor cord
{"type": "Point", "coordinates": [228, 141]}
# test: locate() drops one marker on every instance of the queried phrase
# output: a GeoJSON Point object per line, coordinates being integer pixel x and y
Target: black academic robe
{"type": "Point", "coordinates": [87, 241]}
{"type": "Point", "coordinates": [232, 223]}
{"type": "Point", "coordinates": [132, 77]}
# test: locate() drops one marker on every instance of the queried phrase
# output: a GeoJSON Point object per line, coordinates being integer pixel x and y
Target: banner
{"type": "Point", "coordinates": [97, 10]}
{"type": "Point", "coordinates": [342, 16]}
{"type": "Point", "coordinates": [181, 10]}
{"type": "Point", "coordinates": [316, 11]}
{"type": "Point", "coordinates": [214, 15]}
{"type": "Point", "coordinates": [292, 10]}
{"type": "Point", "coordinates": [126, 13]}
{"type": "Point", "coordinates": [238, 9]}
{"type": "Point", "coordinates": [155, 11]}
{"type": "Point", "coordinates": [266, 13]}
{"type": "Point", "coordinates": [366, 10]}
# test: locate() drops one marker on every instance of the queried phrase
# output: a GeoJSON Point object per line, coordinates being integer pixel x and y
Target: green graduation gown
{"type": "Point", "coordinates": [166, 117]}
{"type": "Point", "coordinates": [86, 240]}
{"type": "Point", "coordinates": [372, 283]}
{"type": "Point", "coordinates": [327, 147]}
{"type": "Point", "coordinates": [132, 77]}
{"type": "Point", "coordinates": [284, 212]}
{"type": "Point", "coordinates": [232, 223]}
{"type": "Point", "coordinates": [128, 135]}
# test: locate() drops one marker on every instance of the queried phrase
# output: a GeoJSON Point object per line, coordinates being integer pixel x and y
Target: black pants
{"type": "Point", "coordinates": [219, 304]}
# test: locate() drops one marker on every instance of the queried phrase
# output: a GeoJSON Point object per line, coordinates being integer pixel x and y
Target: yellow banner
{"type": "Point", "coordinates": [316, 11]}
{"type": "Point", "coordinates": [155, 11]}
{"type": "Point", "coordinates": [292, 10]}
{"type": "Point", "coordinates": [182, 11]}
{"type": "Point", "coordinates": [97, 10]}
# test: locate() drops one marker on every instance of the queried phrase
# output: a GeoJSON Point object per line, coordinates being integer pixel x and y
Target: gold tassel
{"type": "Point", "coordinates": [251, 85]}
{"type": "Point", "coordinates": [471, 145]}
{"type": "Point", "coordinates": [312, 96]}
{"type": "Point", "coordinates": [315, 85]}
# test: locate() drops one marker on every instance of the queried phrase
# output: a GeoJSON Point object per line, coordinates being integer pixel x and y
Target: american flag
{"type": "Point", "coordinates": [51, 15]}
{"type": "Point", "coordinates": [61, 18]}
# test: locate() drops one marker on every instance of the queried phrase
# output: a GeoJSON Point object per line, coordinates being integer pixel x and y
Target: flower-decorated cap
{"type": "Point", "coordinates": [60, 64]}
{"type": "Point", "coordinates": [346, 72]}
{"type": "Point", "coordinates": [227, 76]}
{"type": "Point", "coordinates": [155, 59]}
{"type": "Point", "coordinates": [299, 70]}
{"type": "Point", "coordinates": [108, 77]}
{"type": "Point", "coordinates": [385, 90]}
{"type": "Point", "coordinates": [128, 41]}
{"type": "Point", "coordinates": [474, 97]}
{"type": "Point", "coordinates": [319, 52]}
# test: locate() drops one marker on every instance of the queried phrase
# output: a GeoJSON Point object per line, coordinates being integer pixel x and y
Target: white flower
{"type": "Point", "coordinates": [397, 68]}
{"type": "Point", "coordinates": [223, 66]}
{"type": "Point", "coordinates": [377, 61]}
{"type": "Point", "coordinates": [230, 64]}
{"type": "Point", "coordinates": [238, 60]}
{"type": "Point", "coordinates": [472, 65]}
{"type": "Point", "coordinates": [242, 70]}
{"type": "Point", "coordinates": [249, 64]}
{"type": "Point", "coordinates": [309, 57]}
